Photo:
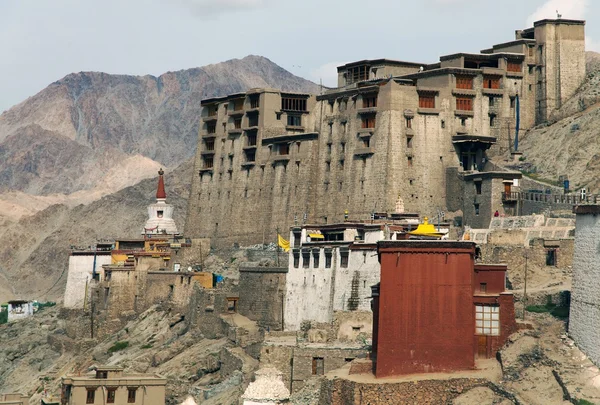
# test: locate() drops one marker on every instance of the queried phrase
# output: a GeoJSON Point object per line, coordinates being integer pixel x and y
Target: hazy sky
{"type": "Point", "coordinates": [44, 40]}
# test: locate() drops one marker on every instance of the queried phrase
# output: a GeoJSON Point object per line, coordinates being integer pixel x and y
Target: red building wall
{"type": "Point", "coordinates": [426, 311]}
{"type": "Point", "coordinates": [493, 275]}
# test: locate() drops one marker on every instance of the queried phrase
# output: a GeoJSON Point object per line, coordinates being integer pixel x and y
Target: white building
{"type": "Point", "coordinates": [332, 268]}
{"type": "Point", "coordinates": [160, 214]}
{"type": "Point", "coordinates": [85, 268]}
{"type": "Point", "coordinates": [19, 309]}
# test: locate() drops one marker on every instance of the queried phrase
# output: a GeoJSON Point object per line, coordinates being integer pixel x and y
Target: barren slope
{"type": "Point", "coordinates": [570, 145]}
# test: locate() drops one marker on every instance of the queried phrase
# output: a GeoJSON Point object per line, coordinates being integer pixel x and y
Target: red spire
{"type": "Point", "coordinates": [160, 192]}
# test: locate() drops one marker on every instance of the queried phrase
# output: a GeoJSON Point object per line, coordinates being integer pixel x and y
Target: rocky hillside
{"type": "Point", "coordinates": [80, 129]}
{"type": "Point", "coordinates": [569, 144]}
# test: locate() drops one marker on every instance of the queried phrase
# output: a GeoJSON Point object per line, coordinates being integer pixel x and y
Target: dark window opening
{"type": "Point", "coordinates": [491, 101]}
{"type": "Point", "coordinates": [296, 260]}
{"type": "Point", "coordinates": [210, 144]}
{"type": "Point", "coordinates": [211, 128]}
{"type": "Point", "coordinates": [492, 120]}
{"type": "Point", "coordinates": [369, 101]}
{"type": "Point", "coordinates": [551, 257]}
{"type": "Point", "coordinates": [207, 162]}
{"type": "Point", "coordinates": [477, 187]}
{"type": "Point", "coordinates": [293, 104]}
{"type": "Point", "coordinates": [252, 139]}
{"type": "Point", "coordinates": [91, 395]}
{"type": "Point", "coordinates": [409, 122]}
{"type": "Point", "coordinates": [254, 101]}
{"type": "Point", "coordinates": [357, 74]}
{"type": "Point", "coordinates": [318, 366]}
{"type": "Point", "coordinates": [253, 120]}
{"type": "Point", "coordinates": [316, 256]}
{"type": "Point", "coordinates": [409, 142]}
{"type": "Point", "coordinates": [409, 161]}
{"type": "Point", "coordinates": [476, 209]}
{"type": "Point", "coordinates": [327, 260]}
{"type": "Point", "coordinates": [284, 149]}
{"type": "Point", "coordinates": [294, 120]}
{"type": "Point", "coordinates": [368, 122]}
{"type": "Point", "coordinates": [512, 102]}
{"type": "Point", "coordinates": [110, 395]}
{"type": "Point", "coordinates": [131, 395]}
{"type": "Point", "coordinates": [250, 155]}
{"type": "Point", "coordinates": [344, 259]}
{"type": "Point", "coordinates": [305, 260]}
{"type": "Point", "coordinates": [238, 104]}
{"type": "Point", "coordinates": [483, 287]}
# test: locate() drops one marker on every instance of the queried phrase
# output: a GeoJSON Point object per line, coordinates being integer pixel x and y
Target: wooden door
{"type": "Point", "coordinates": [482, 347]}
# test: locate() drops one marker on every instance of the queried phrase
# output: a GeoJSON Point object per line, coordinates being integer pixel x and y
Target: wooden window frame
{"type": "Point", "coordinates": [464, 103]}
{"type": "Point", "coordinates": [487, 320]}
{"type": "Point", "coordinates": [464, 82]}
{"type": "Point", "coordinates": [514, 66]}
{"type": "Point", "coordinates": [426, 100]}
{"type": "Point", "coordinates": [90, 397]}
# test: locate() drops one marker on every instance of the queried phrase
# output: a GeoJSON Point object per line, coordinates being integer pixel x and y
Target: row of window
{"type": "Point", "coordinates": [344, 255]}
{"type": "Point", "coordinates": [110, 395]}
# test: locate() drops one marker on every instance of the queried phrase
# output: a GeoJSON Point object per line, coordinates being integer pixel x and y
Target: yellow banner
{"type": "Point", "coordinates": [284, 244]}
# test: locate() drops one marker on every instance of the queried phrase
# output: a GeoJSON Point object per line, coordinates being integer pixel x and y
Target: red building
{"type": "Point", "coordinates": [435, 309]}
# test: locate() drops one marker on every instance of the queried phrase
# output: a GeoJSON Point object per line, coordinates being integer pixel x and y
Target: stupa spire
{"type": "Point", "coordinates": [160, 191]}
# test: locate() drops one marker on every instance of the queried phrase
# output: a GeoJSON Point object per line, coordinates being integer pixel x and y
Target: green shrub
{"type": "Point", "coordinates": [118, 346]}
{"type": "Point", "coordinates": [538, 309]}
{"type": "Point", "coordinates": [584, 402]}
{"type": "Point", "coordinates": [147, 346]}
{"type": "Point", "coordinates": [3, 317]}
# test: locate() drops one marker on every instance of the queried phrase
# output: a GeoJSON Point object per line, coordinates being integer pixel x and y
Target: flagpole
{"type": "Point", "coordinates": [277, 244]}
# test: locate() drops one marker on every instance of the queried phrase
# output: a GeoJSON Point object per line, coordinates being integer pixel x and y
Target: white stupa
{"type": "Point", "coordinates": [160, 214]}
{"type": "Point", "coordinates": [267, 389]}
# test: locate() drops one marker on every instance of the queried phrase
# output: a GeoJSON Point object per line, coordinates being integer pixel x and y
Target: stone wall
{"type": "Point", "coordinates": [585, 300]}
{"type": "Point", "coordinates": [262, 294]}
{"type": "Point", "coordinates": [424, 392]}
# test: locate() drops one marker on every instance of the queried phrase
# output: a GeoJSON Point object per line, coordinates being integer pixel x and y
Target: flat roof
{"type": "Point", "coordinates": [483, 56]}
{"type": "Point", "coordinates": [426, 244]}
{"type": "Point", "coordinates": [521, 41]}
{"type": "Point", "coordinates": [257, 90]}
{"type": "Point", "coordinates": [558, 21]}
{"type": "Point", "coordinates": [382, 61]}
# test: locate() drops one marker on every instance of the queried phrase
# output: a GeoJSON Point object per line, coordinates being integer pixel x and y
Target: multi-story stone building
{"type": "Point", "coordinates": [391, 132]}
{"type": "Point", "coordinates": [109, 385]}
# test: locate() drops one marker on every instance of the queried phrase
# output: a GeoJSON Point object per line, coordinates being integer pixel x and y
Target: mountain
{"type": "Point", "coordinates": [78, 160]}
{"type": "Point", "coordinates": [569, 145]}
{"type": "Point", "coordinates": [72, 134]}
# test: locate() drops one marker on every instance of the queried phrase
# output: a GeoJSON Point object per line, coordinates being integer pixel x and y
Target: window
{"type": "Point", "coordinates": [211, 128]}
{"type": "Point", "coordinates": [478, 187]}
{"type": "Point", "coordinates": [530, 51]}
{"type": "Point", "coordinates": [110, 395]}
{"type": "Point", "coordinates": [492, 120]}
{"type": "Point", "coordinates": [102, 374]}
{"type": "Point", "coordinates": [316, 256]}
{"type": "Point", "coordinates": [343, 146]}
{"type": "Point", "coordinates": [366, 142]}
{"type": "Point", "coordinates": [464, 103]}
{"type": "Point", "coordinates": [341, 163]}
{"type": "Point", "coordinates": [369, 101]}
{"type": "Point", "coordinates": [491, 82]}
{"type": "Point", "coordinates": [237, 123]}
{"type": "Point", "coordinates": [212, 110]}
{"type": "Point", "coordinates": [512, 102]}
{"type": "Point", "coordinates": [284, 149]}
{"type": "Point", "coordinates": [487, 320]}
{"type": "Point", "coordinates": [91, 395]}
{"type": "Point", "coordinates": [328, 259]}
{"type": "Point", "coordinates": [208, 162]}
{"type": "Point", "coordinates": [464, 82]}
{"type": "Point", "coordinates": [305, 259]}
{"type": "Point", "coordinates": [253, 120]}
{"type": "Point", "coordinates": [513, 66]}
{"type": "Point", "coordinates": [327, 166]}
{"type": "Point", "coordinates": [409, 161]}
{"type": "Point", "coordinates": [476, 209]}
{"type": "Point", "coordinates": [357, 74]}
{"type": "Point", "coordinates": [463, 121]}
{"type": "Point", "coordinates": [252, 139]}
{"type": "Point", "coordinates": [491, 101]}
{"type": "Point", "coordinates": [131, 395]}
{"type": "Point", "coordinates": [530, 87]}
{"type": "Point", "coordinates": [368, 122]}
{"type": "Point", "coordinates": [483, 287]}
{"type": "Point", "coordinates": [318, 366]}
{"type": "Point", "coordinates": [210, 144]}
{"type": "Point", "coordinates": [551, 257]}
{"type": "Point", "coordinates": [426, 101]}
{"type": "Point", "coordinates": [344, 258]}
{"type": "Point", "coordinates": [250, 155]}
{"type": "Point", "coordinates": [409, 142]}
{"type": "Point", "coordinates": [329, 148]}
{"type": "Point", "coordinates": [531, 69]}
{"type": "Point", "coordinates": [294, 120]}
{"type": "Point", "coordinates": [296, 259]}
{"type": "Point", "coordinates": [278, 116]}
{"type": "Point", "coordinates": [408, 122]}
{"type": "Point", "coordinates": [254, 101]}
{"type": "Point", "coordinates": [293, 104]}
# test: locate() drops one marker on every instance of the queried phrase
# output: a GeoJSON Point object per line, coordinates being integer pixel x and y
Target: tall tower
{"type": "Point", "coordinates": [560, 63]}
{"type": "Point", "coordinates": [160, 214]}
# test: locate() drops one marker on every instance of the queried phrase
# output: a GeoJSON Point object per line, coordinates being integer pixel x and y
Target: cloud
{"type": "Point", "coordinates": [570, 9]}
{"type": "Point", "coordinates": [327, 73]}
{"type": "Point", "coordinates": [209, 8]}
